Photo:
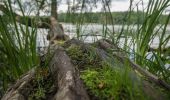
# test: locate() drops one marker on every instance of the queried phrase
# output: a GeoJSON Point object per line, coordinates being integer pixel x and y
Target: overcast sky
{"type": "Point", "coordinates": [117, 5]}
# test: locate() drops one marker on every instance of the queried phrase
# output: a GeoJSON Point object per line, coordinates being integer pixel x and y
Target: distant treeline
{"type": "Point", "coordinates": [105, 17]}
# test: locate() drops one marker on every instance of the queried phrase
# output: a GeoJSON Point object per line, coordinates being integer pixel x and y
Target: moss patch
{"type": "Point", "coordinates": [104, 80]}
{"type": "Point", "coordinates": [43, 86]}
{"type": "Point", "coordinates": [82, 57]}
{"type": "Point", "coordinates": [111, 84]}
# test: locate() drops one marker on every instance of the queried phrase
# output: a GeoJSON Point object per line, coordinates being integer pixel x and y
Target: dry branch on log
{"type": "Point", "coordinates": [147, 74]}
{"type": "Point", "coordinates": [105, 45]}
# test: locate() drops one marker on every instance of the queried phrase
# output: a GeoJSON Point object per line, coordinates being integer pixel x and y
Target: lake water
{"type": "Point", "coordinates": [70, 30]}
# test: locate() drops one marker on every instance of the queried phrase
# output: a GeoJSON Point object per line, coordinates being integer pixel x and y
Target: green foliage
{"type": "Point", "coordinates": [104, 79]}
{"type": "Point", "coordinates": [118, 17]}
{"type": "Point", "coordinates": [75, 52]}
{"type": "Point", "coordinates": [42, 85]}
{"type": "Point", "coordinates": [110, 83]}
{"type": "Point", "coordinates": [146, 33]}
{"type": "Point", "coordinates": [138, 36]}
{"type": "Point", "coordinates": [17, 48]}
{"type": "Point", "coordinates": [83, 57]}
{"type": "Point", "coordinates": [40, 94]}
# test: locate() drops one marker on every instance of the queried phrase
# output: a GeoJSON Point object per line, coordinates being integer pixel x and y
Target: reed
{"type": "Point", "coordinates": [17, 47]}
{"type": "Point", "coordinates": [138, 42]}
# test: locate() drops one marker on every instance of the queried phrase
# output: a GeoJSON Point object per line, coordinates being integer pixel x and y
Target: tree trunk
{"type": "Point", "coordinates": [54, 8]}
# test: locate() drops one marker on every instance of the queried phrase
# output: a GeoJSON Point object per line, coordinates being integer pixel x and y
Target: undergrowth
{"type": "Point", "coordinates": [43, 85]}
{"type": "Point", "coordinates": [112, 84]}
{"type": "Point", "coordinates": [83, 57]}
{"type": "Point", "coordinates": [102, 79]}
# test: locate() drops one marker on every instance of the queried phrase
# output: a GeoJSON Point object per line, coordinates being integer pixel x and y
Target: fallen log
{"type": "Point", "coordinates": [65, 75]}
{"type": "Point", "coordinates": [144, 72]}
{"type": "Point", "coordinates": [20, 89]}
{"type": "Point", "coordinates": [70, 86]}
{"type": "Point", "coordinates": [84, 46]}
{"type": "Point", "coordinates": [106, 45]}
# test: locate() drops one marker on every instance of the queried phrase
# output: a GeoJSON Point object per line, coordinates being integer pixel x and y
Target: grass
{"type": "Point", "coordinates": [112, 83]}
{"type": "Point", "coordinates": [137, 42]}
{"type": "Point", "coordinates": [43, 85]}
{"type": "Point", "coordinates": [146, 33]}
{"type": "Point", "coordinates": [108, 79]}
{"type": "Point", "coordinates": [18, 46]}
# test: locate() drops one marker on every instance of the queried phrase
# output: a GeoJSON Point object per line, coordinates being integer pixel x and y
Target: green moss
{"type": "Point", "coordinates": [39, 94]}
{"type": "Point", "coordinates": [75, 52]}
{"type": "Point", "coordinates": [105, 80]}
{"type": "Point", "coordinates": [108, 83]}
{"type": "Point", "coordinates": [83, 58]}
{"type": "Point", "coordinates": [42, 84]}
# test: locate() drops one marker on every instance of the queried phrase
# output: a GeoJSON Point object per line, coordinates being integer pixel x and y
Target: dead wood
{"type": "Point", "coordinates": [66, 77]}
{"type": "Point", "coordinates": [105, 45]}
{"type": "Point", "coordinates": [21, 88]}
{"type": "Point", "coordinates": [68, 80]}
{"type": "Point", "coordinates": [147, 74]}
{"type": "Point", "coordinates": [85, 47]}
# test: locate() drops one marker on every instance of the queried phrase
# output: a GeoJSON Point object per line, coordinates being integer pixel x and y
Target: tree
{"type": "Point", "coordinates": [44, 6]}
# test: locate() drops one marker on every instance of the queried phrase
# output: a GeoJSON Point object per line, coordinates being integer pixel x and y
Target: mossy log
{"type": "Point", "coordinates": [67, 78]}
{"type": "Point", "coordinates": [65, 69]}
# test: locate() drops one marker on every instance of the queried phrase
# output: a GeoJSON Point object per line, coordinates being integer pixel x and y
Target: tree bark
{"type": "Point", "coordinates": [54, 9]}
{"type": "Point", "coordinates": [66, 77]}
{"type": "Point", "coordinates": [105, 45]}
{"type": "Point", "coordinates": [20, 89]}
{"type": "Point", "coordinates": [68, 80]}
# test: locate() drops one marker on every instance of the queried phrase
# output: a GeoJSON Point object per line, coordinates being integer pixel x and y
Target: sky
{"type": "Point", "coordinates": [117, 5]}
